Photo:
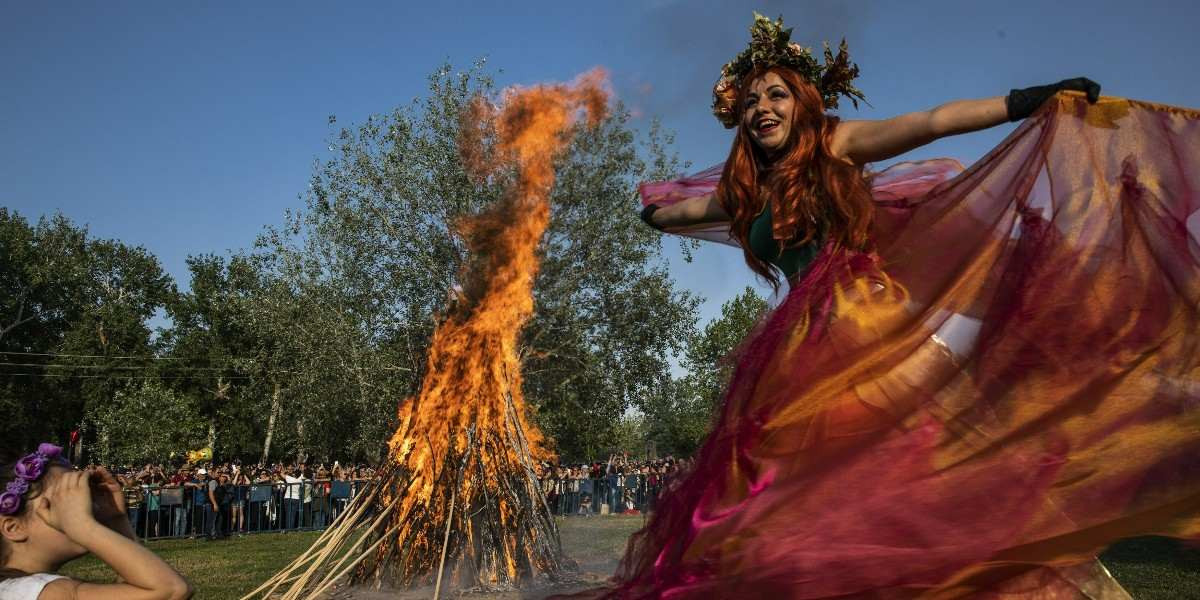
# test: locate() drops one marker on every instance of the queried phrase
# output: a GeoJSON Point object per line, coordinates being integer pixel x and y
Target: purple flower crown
{"type": "Point", "coordinates": [30, 468]}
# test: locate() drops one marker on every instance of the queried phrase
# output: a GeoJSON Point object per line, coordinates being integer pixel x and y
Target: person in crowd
{"type": "Point", "coordinates": [51, 514]}
{"type": "Point", "coordinates": [306, 494]}
{"type": "Point", "coordinates": [550, 483]}
{"type": "Point", "coordinates": [609, 478]}
{"type": "Point", "coordinates": [179, 512]}
{"type": "Point", "coordinates": [320, 497]}
{"type": "Point", "coordinates": [292, 497]}
{"type": "Point", "coordinates": [206, 484]}
{"type": "Point", "coordinates": [221, 496]}
{"type": "Point", "coordinates": [340, 475]}
{"type": "Point", "coordinates": [199, 507]}
{"type": "Point", "coordinates": [586, 489]}
{"type": "Point", "coordinates": [240, 489]}
{"type": "Point", "coordinates": [151, 484]}
{"type": "Point", "coordinates": [265, 512]}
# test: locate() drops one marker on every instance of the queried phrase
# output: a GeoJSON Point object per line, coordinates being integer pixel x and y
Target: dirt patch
{"type": "Point", "coordinates": [594, 543]}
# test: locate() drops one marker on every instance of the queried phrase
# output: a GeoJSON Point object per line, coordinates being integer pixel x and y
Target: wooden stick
{"type": "Point", "coordinates": [437, 588]}
{"type": "Point", "coordinates": [329, 580]}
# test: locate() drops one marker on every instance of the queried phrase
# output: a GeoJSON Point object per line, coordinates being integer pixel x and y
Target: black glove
{"type": "Point", "coordinates": [1022, 103]}
{"type": "Point", "coordinates": [648, 216]}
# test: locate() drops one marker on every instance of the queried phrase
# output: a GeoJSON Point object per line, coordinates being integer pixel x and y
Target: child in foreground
{"type": "Point", "coordinates": [51, 514]}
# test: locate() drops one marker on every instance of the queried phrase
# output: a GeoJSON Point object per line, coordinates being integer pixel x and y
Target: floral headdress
{"type": "Point", "coordinates": [28, 469]}
{"type": "Point", "coordinates": [771, 45]}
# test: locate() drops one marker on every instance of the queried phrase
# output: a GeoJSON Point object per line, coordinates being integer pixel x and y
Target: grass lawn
{"type": "Point", "coordinates": [218, 570]}
{"type": "Point", "coordinates": [1150, 568]}
{"type": "Point", "coordinates": [1156, 568]}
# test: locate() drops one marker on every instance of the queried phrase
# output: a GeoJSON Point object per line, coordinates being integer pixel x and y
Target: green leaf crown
{"type": "Point", "coordinates": [771, 45]}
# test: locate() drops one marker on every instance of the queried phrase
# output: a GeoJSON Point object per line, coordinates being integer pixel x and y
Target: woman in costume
{"type": "Point", "coordinates": [978, 379]}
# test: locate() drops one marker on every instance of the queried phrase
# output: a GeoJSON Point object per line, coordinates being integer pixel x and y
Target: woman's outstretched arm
{"type": "Point", "coordinates": [862, 142]}
{"type": "Point", "coordinates": [693, 211]}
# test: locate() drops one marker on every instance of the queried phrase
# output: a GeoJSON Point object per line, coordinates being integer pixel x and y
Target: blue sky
{"type": "Point", "coordinates": [187, 127]}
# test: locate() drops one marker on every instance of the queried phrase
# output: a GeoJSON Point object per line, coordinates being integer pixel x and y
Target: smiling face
{"type": "Point", "coordinates": [768, 112]}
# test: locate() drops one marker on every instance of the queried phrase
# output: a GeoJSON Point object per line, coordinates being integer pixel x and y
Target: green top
{"type": "Point", "coordinates": [764, 246]}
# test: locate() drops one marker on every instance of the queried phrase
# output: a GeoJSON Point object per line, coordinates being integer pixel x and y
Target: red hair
{"type": "Point", "coordinates": [809, 189]}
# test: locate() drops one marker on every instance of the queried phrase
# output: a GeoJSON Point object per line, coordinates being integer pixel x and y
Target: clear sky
{"type": "Point", "coordinates": [187, 127]}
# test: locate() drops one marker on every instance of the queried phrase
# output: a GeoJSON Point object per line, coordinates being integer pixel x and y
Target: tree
{"type": "Point", "coordinates": [216, 348]}
{"type": "Point", "coordinates": [376, 252]}
{"type": "Point", "coordinates": [681, 413]}
{"type": "Point", "coordinates": [306, 343]}
{"type": "Point", "coordinates": [71, 308]}
{"type": "Point", "coordinates": [147, 422]}
{"type": "Point", "coordinates": [42, 269]}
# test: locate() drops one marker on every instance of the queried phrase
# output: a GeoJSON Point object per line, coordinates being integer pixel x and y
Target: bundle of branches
{"type": "Point", "coordinates": [460, 491]}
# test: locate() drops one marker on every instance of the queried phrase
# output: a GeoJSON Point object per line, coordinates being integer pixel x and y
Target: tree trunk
{"type": "Point", "coordinates": [275, 408]}
{"type": "Point", "coordinates": [220, 396]}
{"type": "Point", "coordinates": [301, 453]}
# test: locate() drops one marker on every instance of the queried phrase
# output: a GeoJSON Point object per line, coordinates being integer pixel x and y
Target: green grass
{"type": "Point", "coordinates": [1155, 568]}
{"type": "Point", "coordinates": [1150, 568]}
{"type": "Point", "coordinates": [597, 543]}
{"type": "Point", "coordinates": [218, 570]}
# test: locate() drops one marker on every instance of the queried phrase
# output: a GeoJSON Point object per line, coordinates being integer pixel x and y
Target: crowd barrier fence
{"type": "Point", "coordinates": [612, 494]}
{"type": "Point", "coordinates": [158, 512]}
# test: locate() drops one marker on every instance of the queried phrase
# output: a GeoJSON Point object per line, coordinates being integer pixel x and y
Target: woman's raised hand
{"type": "Point", "coordinates": [1022, 103]}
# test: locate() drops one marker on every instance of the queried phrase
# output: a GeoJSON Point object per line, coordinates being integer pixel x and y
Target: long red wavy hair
{"type": "Point", "coordinates": [810, 191]}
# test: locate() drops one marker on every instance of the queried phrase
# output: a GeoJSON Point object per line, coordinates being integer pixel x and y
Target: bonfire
{"type": "Point", "coordinates": [458, 501]}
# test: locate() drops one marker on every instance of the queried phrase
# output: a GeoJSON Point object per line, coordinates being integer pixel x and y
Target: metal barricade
{"type": "Point", "coordinates": [158, 512]}
{"type": "Point", "coordinates": [187, 511]}
{"type": "Point", "coordinates": [611, 494]}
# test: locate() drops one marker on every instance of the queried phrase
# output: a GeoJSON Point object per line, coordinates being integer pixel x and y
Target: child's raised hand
{"type": "Point", "coordinates": [66, 503]}
{"type": "Point", "coordinates": [108, 500]}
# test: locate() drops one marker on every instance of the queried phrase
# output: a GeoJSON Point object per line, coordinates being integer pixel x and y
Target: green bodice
{"type": "Point", "coordinates": [764, 246]}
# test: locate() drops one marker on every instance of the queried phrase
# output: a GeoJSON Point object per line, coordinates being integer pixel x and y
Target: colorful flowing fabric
{"type": "Point", "coordinates": [1006, 386]}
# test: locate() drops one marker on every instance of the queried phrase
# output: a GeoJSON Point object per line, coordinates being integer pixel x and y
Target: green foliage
{"type": "Point", "coordinates": [146, 423]}
{"type": "Point", "coordinates": [305, 344]}
{"type": "Point", "coordinates": [708, 359]}
{"type": "Point", "coordinates": [64, 293]}
{"type": "Point", "coordinates": [215, 339]}
{"type": "Point", "coordinates": [682, 412]}
{"type": "Point", "coordinates": [629, 435]}
{"type": "Point", "coordinates": [377, 244]}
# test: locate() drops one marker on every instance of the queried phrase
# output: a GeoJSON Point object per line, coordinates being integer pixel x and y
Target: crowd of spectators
{"type": "Point", "coordinates": [218, 500]}
{"type": "Point", "coordinates": [620, 485]}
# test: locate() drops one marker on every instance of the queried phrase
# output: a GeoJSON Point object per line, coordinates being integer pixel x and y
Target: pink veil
{"type": "Point", "coordinates": [1009, 384]}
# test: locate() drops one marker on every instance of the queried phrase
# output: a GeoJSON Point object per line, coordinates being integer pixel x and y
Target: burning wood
{"type": "Point", "coordinates": [459, 493]}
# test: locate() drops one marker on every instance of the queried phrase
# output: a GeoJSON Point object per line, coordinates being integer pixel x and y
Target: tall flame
{"type": "Point", "coordinates": [468, 426]}
{"type": "Point", "coordinates": [460, 484]}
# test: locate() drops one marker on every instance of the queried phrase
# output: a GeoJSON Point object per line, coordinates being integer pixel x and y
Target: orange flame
{"type": "Point", "coordinates": [471, 395]}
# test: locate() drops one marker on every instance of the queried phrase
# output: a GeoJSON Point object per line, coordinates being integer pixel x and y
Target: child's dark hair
{"type": "Point", "coordinates": [8, 460]}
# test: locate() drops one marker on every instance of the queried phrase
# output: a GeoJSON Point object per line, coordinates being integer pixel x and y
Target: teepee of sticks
{"type": "Point", "coordinates": [459, 500]}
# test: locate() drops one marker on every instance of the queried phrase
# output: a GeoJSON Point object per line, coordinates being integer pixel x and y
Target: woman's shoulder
{"type": "Point", "coordinates": [31, 587]}
{"type": "Point", "coordinates": [839, 142]}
